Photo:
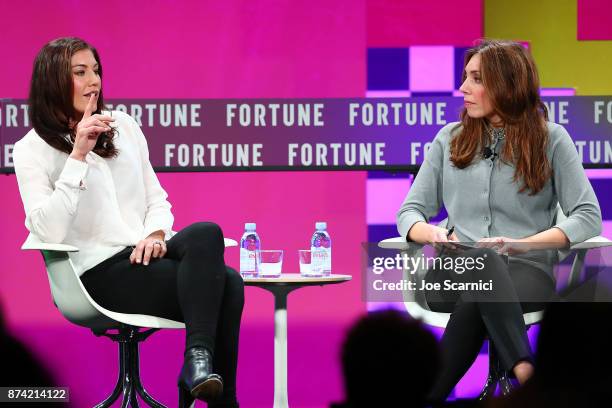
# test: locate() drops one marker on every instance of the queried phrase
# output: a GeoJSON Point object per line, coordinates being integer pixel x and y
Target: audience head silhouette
{"type": "Point", "coordinates": [389, 360]}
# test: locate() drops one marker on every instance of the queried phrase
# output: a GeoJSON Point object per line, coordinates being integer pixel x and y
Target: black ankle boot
{"type": "Point", "coordinates": [488, 391]}
{"type": "Point", "coordinates": [506, 383]}
{"type": "Point", "coordinates": [197, 379]}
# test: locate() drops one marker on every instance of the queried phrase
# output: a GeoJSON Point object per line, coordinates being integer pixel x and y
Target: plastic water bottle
{"type": "Point", "coordinates": [250, 257]}
{"type": "Point", "coordinates": [320, 251]}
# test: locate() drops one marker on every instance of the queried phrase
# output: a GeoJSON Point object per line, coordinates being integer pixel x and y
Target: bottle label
{"type": "Point", "coordinates": [320, 261]}
{"type": "Point", "coordinates": [247, 260]}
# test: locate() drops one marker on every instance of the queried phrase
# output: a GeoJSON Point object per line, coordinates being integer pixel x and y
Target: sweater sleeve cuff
{"type": "Point", "coordinates": [157, 225]}
{"type": "Point", "coordinates": [74, 173]}
{"type": "Point", "coordinates": [407, 221]}
{"type": "Point", "coordinates": [572, 229]}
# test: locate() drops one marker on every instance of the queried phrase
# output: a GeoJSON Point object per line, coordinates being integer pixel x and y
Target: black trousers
{"type": "Point", "coordinates": [191, 284]}
{"type": "Point", "coordinates": [517, 288]}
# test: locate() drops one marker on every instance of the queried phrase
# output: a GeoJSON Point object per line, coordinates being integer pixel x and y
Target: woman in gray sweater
{"type": "Point", "coordinates": [500, 173]}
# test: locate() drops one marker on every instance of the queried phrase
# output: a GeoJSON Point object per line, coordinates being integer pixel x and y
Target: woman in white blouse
{"type": "Point", "coordinates": [85, 179]}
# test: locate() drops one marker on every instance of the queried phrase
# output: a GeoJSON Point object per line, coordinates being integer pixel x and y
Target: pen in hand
{"type": "Point", "coordinates": [450, 232]}
{"type": "Point", "coordinates": [448, 235]}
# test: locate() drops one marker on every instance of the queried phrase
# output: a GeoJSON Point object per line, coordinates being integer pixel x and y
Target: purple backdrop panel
{"type": "Point", "coordinates": [378, 306]}
{"type": "Point", "coordinates": [388, 94]}
{"type": "Point", "coordinates": [378, 232]}
{"type": "Point", "coordinates": [431, 68]}
{"type": "Point", "coordinates": [594, 20]}
{"type": "Point", "coordinates": [602, 186]}
{"type": "Point", "coordinates": [388, 68]}
{"type": "Point", "coordinates": [392, 23]}
{"type": "Point", "coordinates": [472, 382]}
{"type": "Point", "coordinates": [459, 61]}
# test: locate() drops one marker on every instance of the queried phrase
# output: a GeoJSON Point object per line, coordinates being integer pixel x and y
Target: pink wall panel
{"type": "Point", "coordinates": [194, 49]}
{"type": "Point", "coordinates": [598, 173]}
{"type": "Point", "coordinates": [594, 20]}
{"type": "Point", "coordinates": [393, 23]}
{"type": "Point", "coordinates": [432, 68]}
{"type": "Point", "coordinates": [207, 49]}
{"type": "Point", "coordinates": [384, 198]}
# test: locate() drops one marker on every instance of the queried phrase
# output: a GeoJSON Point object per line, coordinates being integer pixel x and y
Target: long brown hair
{"type": "Point", "coordinates": [510, 79]}
{"type": "Point", "coordinates": [51, 106]}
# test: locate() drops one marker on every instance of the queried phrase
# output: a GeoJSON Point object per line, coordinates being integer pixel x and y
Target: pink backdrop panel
{"type": "Point", "coordinates": [594, 20]}
{"type": "Point", "coordinates": [384, 198]}
{"type": "Point", "coordinates": [194, 49]}
{"type": "Point", "coordinates": [206, 49]}
{"type": "Point", "coordinates": [190, 49]}
{"type": "Point", "coordinates": [432, 68]}
{"type": "Point", "coordinates": [24, 288]}
{"type": "Point", "coordinates": [392, 23]}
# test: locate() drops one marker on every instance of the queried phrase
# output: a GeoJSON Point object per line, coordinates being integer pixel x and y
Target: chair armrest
{"type": "Point", "coordinates": [393, 243]}
{"type": "Point", "coordinates": [42, 246]}
{"type": "Point", "coordinates": [230, 242]}
{"type": "Point", "coordinates": [595, 242]}
{"type": "Point", "coordinates": [34, 244]}
{"type": "Point", "coordinates": [398, 243]}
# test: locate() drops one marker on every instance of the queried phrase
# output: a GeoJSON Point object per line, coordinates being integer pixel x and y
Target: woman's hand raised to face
{"type": "Point", "coordinates": [88, 129]}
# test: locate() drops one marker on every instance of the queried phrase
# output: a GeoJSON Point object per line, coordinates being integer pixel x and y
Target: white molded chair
{"type": "Point", "coordinates": [417, 307]}
{"type": "Point", "coordinates": [73, 301]}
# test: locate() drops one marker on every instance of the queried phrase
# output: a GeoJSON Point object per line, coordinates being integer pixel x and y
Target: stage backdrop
{"type": "Point", "coordinates": [313, 134]}
{"type": "Point", "coordinates": [160, 50]}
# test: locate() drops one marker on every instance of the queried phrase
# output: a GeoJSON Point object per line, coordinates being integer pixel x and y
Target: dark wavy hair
{"type": "Point", "coordinates": [511, 82]}
{"type": "Point", "coordinates": [50, 101]}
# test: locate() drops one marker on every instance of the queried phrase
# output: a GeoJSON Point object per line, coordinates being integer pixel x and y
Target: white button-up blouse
{"type": "Point", "coordinates": [100, 206]}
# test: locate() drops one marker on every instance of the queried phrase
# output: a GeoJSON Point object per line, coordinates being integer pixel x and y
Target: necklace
{"type": "Point", "coordinates": [496, 133]}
